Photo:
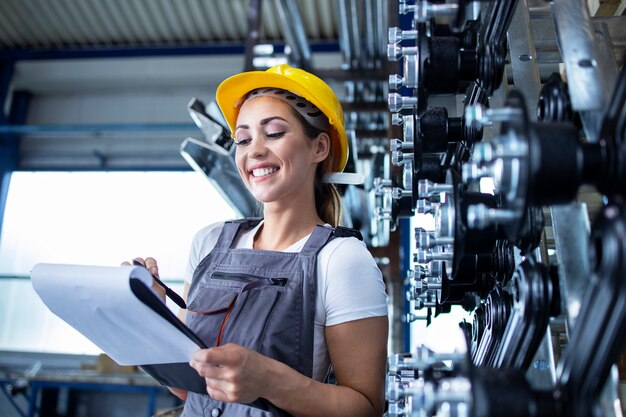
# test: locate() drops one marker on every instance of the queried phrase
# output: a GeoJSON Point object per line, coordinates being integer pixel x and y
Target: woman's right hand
{"type": "Point", "coordinates": [152, 266]}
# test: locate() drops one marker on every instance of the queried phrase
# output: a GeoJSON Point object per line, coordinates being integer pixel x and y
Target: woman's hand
{"type": "Point", "coordinates": [153, 268]}
{"type": "Point", "coordinates": [232, 372]}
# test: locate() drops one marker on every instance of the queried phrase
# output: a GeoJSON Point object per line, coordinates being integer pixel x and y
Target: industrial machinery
{"type": "Point", "coordinates": [516, 250]}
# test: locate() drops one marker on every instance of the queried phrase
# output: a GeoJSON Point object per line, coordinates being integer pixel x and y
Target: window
{"type": "Point", "coordinates": [443, 334]}
{"type": "Point", "coordinates": [97, 218]}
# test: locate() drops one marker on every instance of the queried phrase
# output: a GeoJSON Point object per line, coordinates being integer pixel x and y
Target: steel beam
{"type": "Point", "coordinates": [295, 37]}
{"type": "Point", "coordinates": [589, 62]}
{"type": "Point", "coordinates": [8, 147]}
{"type": "Point", "coordinates": [524, 58]}
{"type": "Point", "coordinates": [254, 31]}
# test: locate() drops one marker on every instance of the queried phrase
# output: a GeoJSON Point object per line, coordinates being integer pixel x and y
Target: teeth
{"type": "Point", "coordinates": [261, 172]}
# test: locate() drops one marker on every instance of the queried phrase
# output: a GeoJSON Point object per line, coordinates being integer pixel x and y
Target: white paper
{"type": "Point", "coordinates": [98, 302]}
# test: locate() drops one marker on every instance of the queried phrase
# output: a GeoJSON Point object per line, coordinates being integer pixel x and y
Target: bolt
{"type": "Point", "coordinates": [400, 158]}
{"type": "Point", "coordinates": [425, 239]}
{"type": "Point", "coordinates": [398, 102]}
{"type": "Point", "coordinates": [396, 34]}
{"type": "Point", "coordinates": [395, 81]}
{"type": "Point", "coordinates": [410, 317]}
{"type": "Point", "coordinates": [396, 145]}
{"type": "Point", "coordinates": [472, 172]}
{"type": "Point", "coordinates": [397, 119]}
{"type": "Point", "coordinates": [420, 304]}
{"type": "Point", "coordinates": [424, 10]}
{"type": "Point", "coordinates": [404, 8]}
{"type": "Point", "coordinates": [426, 256]}
{"type": "Point", "coordinates": [398, 193]}
{"type": "Point", "coordinates": [423, 206]}
{"type": "Point", "coordinates": [395, 51]}
{"type": "Point", "coordinates": [427, 188]}
{"type": "Point", "coordinates": [479, 115]}
{"type": "Point", "coordinates": [479, 216]}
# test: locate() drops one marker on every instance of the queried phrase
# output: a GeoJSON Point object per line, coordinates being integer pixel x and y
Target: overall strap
{"type": "Point", "coordinates": [231, 230]}
{"type": "Point", "coordinates": [317, 240]}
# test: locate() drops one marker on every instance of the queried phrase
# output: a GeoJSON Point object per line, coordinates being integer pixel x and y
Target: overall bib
{"type": "Point", "coordinates": [263, 300]}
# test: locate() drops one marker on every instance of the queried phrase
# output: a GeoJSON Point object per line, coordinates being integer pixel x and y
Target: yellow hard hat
{"type": "Point", "coordinates": [230, 92]}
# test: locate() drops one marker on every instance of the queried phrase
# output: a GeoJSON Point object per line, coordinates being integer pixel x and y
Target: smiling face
{"type": "Point", "coordinates": [275, 159]}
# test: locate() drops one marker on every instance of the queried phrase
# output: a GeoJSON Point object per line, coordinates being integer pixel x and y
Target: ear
{"type": "Point", "coordinates": [321, 147]}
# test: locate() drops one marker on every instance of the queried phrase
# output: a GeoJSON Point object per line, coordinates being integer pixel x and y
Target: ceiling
{"type": "Point", "coordinates": [70, 24]}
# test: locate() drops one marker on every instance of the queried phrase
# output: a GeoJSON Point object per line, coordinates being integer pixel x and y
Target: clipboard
{"type": "Point", "coordinates": [117, 310]}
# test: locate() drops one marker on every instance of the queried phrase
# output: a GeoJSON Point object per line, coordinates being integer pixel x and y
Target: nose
{"type": "Point", "coordinates": [257, 148]}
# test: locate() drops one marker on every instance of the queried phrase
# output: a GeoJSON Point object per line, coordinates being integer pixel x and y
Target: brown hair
{"type": "Point", "coordinates": [327, 199]}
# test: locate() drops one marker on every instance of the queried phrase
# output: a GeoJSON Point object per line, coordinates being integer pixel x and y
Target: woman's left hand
{"type": "Point", "coordinates": [232, 372]}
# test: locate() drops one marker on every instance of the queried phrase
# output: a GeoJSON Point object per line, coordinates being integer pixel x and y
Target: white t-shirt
{"type": "Point", "coordinates": [349, 284]}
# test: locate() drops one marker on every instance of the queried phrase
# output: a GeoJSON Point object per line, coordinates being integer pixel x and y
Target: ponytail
{"type": "Point", "coordinates": [327, 199]}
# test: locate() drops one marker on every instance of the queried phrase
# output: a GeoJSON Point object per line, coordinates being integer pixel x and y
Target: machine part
{"type": "Point", "coordinates": [479, 115]}
{"type": "Point", "coordinates": [220, 169]}
{"type": "Point", "coordinates": [546, 164]}
{"type": "Point", "coordinates": [570, 225]}
{"type": "Point", "coordinates": [454, 67]}
{"type": "Point", "coordinates": [599, 332]}
{"type": "Point", "coordinates": [497, 312]}
{"type": "Point", "coordinates": [396, 35]}
{"type": "Point", "coordinates": [554, 102]}
{"type": "Point", "coordinates": [426, 256]}
{"type": "Point", "coordinates": [535, 165]}
{"type": "Point", "coordinates": [474, 95]}
{"type": "Point", "coordinates": [210, 121]}
{"type": "Point", "coordinates": [425, 10]}
{"type": "Point", "coordinates": [427, 189]}
{"type": "Point", "coordinates": [533, 293]}
{"type": "Point", "coordinates": [614, 135]}
{"type": "Point", "coordinates": [477, 275]}
{"type": "Point", "coordinates": [215, 157]}
{"type": "Point", "coordinates": [398, 102]}
{"type": "Point", "coordinates": [429, 384]}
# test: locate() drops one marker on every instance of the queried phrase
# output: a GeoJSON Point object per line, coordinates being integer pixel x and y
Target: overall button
{"type": "Point", "coordinates": [216, 412]}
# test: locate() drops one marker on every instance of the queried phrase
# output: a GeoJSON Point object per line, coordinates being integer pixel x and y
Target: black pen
{"type": "Point", "coordinates": [168, 291]}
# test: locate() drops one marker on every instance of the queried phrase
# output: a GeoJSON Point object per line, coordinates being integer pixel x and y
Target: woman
{"type": "Point", "coordinates": [283, 298]}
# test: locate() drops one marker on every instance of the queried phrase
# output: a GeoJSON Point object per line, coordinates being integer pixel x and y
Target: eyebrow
{"type": "Point", "coordinates": [263, 122]}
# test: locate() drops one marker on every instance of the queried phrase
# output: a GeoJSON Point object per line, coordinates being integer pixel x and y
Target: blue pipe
{"type": "Point", "coordinates": [9, 144]}
{"type": "Point", "coordinates": [7, 69]}
{"type": "Point", "coordinates": [95, 128]}
{"type": "Point", "coordinates": [405, 265]}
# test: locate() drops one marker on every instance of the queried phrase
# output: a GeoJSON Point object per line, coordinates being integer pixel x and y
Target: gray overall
{"type": "Point", "coordinates": [262, 300]}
